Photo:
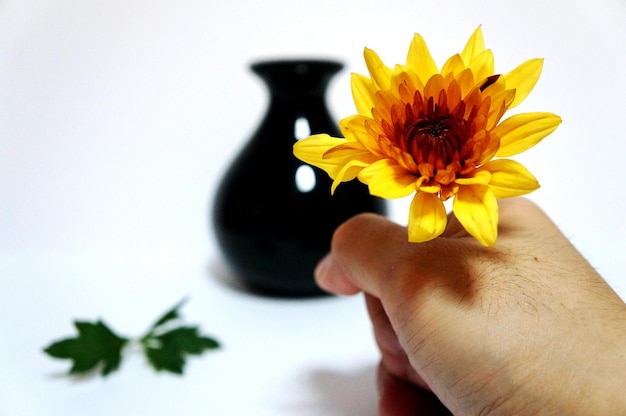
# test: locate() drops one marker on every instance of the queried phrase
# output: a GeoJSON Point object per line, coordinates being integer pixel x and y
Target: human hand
{"type": "Point", "coordinates": [526, 327]}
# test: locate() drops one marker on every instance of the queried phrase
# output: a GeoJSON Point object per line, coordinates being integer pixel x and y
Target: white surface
{"type": "Point", "coordinates": [117, 120]}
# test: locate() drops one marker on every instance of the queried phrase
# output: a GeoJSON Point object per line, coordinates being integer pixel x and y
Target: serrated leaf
{"type": "Point", "coordinates": [166, 345]}
{"type": "Point", "coordinates": [168, 351]}
{"type": "Point", "coordinates": [163, 360]}
{"type": "Point", "coordinates": [95, 345]}
{"type": "Point", "coordinates": [169, 315]}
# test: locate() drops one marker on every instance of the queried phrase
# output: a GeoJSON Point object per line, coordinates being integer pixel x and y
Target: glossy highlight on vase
{"type": "Point", "coordinates": [274, 216]}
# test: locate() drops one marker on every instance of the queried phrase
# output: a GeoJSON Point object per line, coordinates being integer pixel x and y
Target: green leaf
{"type": "Point", "coordinates": [167, 351]}
{"type": "Point", "coordinates": [166, 344]}
{"type": "Point", "coordinates": [169, 315]}
{"type": "Point", "coordinates": [95, 345]}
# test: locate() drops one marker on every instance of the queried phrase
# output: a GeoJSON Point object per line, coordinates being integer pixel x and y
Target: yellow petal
{"type": "Point", "coordinates": [404, 83]}
{"type": "Point", "coordinates": [476, 208]}
{"type": "Point", "coordinates": [383, 101]}
{"type": "Point", "coordinates": [348, 172]}
{"type": "Point", "coordinates": [363, 90]}
{"type": "Point", "coordinates": [343, 153]}
{"type": "Point", "coordinates": [431, 188]}
{"type": "Point", "coordinates": [363, 136]}
{"type": "Point", "coordinates": [490, 147]}
{"type": "Point", "coordinates": [522, 131]}
{"type": "Point", "coordinates": [480, 177]}
{"type": "Point", "coordinates": [433, 87]}
{"type": "Point", "coordinates": [500, 102]}
{"type": "Point", "coordinates": [420, 60]}
{"type": "Point", "coordinates": [482, 65]}
{"type": "Point", "coordinates": [453, 65]}
{"type": "Point", "coordinates": [510, 178]}
{"type": "Point", "coordinates": [427, 217]}
{"type": "Point", "coordinates": [496, 85]}
{"type": "Point", "coordinates": [454, 94]}
{"type": "Point", "coordinates": [379, 72]}
{"type": "Point", "coordinates": [387, 179]}
{"type": "Point", "coordinates": [350, 124]}
{"type": "Point", "coordinates": [312, 150]}
{"type": "Point", "coordinates": [466, 81]}
{"type": "Point", "coordinates": [523, 79]}
{"type": "Point", "coordinates": [474, 46]}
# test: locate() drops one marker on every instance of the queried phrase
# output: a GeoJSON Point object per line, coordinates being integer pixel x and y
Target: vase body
{"type": "Point", "coordinates": [274, 216]}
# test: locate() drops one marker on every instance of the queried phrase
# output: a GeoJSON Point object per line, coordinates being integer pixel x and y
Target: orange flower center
{"type": "Point", "coordinates": [441, 137]}
{"type": "Point", "coordinates": [435, 136]}
{"type": "Point", "coordinates": [438, 134]}
{"type": "Point", "coordinates": [436, 139]}
{"type": "Point", "coordinates": [442, 132]}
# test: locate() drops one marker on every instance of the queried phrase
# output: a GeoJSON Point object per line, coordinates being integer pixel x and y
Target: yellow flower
{"type": "Point", "coordinates": [438, 134]}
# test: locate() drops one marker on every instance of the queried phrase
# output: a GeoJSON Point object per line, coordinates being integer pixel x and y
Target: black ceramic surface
{"type": "Point", "coordinates": [271, 232]}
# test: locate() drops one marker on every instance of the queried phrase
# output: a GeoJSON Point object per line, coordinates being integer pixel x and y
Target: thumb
{"type": "Point", "coordinates": [363, 246]}
{"type": "Point", "coordinates": [372, 254]}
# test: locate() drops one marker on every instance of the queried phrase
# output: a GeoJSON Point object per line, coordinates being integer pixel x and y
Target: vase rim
{"type": "Point", "coordinates": [298, 65]}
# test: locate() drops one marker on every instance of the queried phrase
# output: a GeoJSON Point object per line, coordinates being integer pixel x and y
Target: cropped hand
{"type": "Point", "coordinates": [526, 327]}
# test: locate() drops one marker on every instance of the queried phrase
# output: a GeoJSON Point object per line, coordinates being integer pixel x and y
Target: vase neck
{"type": "Point", "coordinates": [293, 78]}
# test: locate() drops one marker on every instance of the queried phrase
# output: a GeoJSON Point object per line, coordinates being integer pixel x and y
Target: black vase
{"type": "Point", "coordinates": [272, 225]}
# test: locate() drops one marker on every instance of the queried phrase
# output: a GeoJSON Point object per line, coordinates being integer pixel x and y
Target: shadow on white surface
{"type": "Point", "coordinates": [346, 393]}
{"type": "Point", "coordinates": [219, 271]}
{"type": "Point", "coordinates": [338, 393]}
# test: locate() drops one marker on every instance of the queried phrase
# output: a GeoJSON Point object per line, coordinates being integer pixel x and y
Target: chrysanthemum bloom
{"type": "Point", "coordinates": [438, 134]}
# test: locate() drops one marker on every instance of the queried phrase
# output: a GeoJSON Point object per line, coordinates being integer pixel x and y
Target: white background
{"type": "Point", "coordinates": [117, 120]}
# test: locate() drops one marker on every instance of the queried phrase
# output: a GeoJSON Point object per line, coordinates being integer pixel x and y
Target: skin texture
{"type": "Point", "coordinates": [526, 327]}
